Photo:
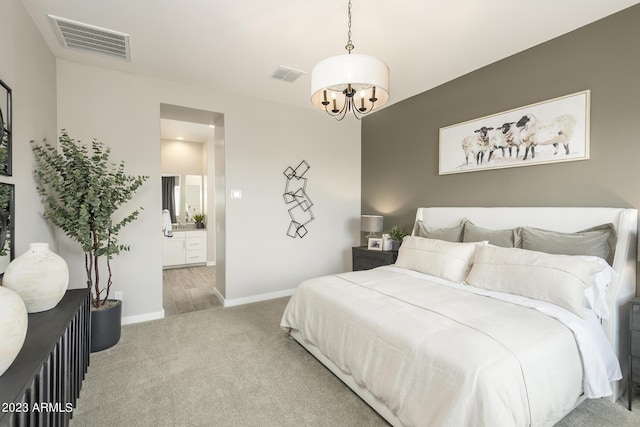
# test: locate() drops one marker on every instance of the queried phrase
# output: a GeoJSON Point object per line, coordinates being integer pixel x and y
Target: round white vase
{"type": "Point", "coordinates": [13, 327]}
{"type": "Point", "coordinates": [39, 276]}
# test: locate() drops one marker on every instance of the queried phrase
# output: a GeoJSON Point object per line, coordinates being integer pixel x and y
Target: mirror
{"type": "Point", "coordinates": [183, 196]}
{"type": "Point", "coordinates": [7, 237]}
{"type": "Point", "coordinates": [192, 196]}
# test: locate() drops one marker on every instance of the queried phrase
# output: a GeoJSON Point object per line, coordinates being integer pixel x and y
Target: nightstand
{"type": "Point", "coordinates": [634, 341]}
{"type": "Point", "coordinates": [365, 259]}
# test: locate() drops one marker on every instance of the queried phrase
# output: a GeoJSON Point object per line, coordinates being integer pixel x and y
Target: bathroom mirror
{"type": "Point", "coordinates": [7, 237]}
{"type": "Point", "coordinates": [183, 196]}
{"type": "Point", "coordinates": [192, 196]}
{"type": "Point", "coordinates": [171, 196]}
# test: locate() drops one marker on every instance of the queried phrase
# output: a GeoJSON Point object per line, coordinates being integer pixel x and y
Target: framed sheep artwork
{"type": "Point", "coordinates": [552, 131]}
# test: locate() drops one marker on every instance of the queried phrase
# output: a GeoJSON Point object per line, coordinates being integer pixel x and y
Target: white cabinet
{"type": "Point", "coordinates": [195, 247]}
{"type": "Point", "coordinates": [173, 250]}
{"type": "Point", "coordinates": [184, 248]}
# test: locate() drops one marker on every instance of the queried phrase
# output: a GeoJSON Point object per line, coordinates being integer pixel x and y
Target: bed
{"type": "Point", "coordinates": [426, 342]}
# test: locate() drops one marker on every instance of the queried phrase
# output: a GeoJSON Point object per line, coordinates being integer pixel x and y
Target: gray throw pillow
{"type": "Point", "coordinates": [504, 238]}
{"type": "Point", "coordinates": [450, 234]}
{"type": "Point", "coordinates": [597, 241]}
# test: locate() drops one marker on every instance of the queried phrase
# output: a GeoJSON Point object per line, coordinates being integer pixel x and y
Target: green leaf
{"type": "Point", "coordinates": [81, 189]}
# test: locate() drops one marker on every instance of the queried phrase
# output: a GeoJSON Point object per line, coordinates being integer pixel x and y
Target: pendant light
{"type": "Point", "coordinates": [350, 83]}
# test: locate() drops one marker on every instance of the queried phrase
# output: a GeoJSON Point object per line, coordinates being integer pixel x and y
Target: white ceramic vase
{"type": "Point", "coordinates": [39, 276]}
{"type": "Point", "coordinates": [13, 327]}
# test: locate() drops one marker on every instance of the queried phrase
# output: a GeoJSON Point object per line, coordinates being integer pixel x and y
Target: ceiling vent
{"type": "Point", "coordinates": [76, 35]}
{"type": "Point", "coordinates": [287, 74]}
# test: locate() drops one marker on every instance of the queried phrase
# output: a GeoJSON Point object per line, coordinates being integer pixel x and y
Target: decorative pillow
{"type": "Point", "coordinates": [451, 234]}
{"type": "Point", "coordinates": [448, 260]}
{"type": "Point", "coordinates": [557, 279]}
{"type": "Point", "coordinates": [597, 241]}
{"type": "Point", "coordinates": [504, 238]}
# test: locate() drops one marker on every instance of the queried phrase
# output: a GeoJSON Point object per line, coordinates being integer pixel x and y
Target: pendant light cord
{"type": "Point", "coordinates": [349, 45]}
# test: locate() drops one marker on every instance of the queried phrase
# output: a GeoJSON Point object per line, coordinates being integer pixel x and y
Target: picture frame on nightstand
{"type": "Point", "coordinates": [374, 244]}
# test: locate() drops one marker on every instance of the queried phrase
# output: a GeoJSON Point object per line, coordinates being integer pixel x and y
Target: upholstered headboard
{"type": "Point", "coordinates": [570, 219]}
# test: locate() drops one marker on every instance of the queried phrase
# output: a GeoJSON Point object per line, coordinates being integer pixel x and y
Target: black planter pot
{"type": "Point", "coordinates": [106, 326]}
{"type": "Point", "coordinates": [199, 224]}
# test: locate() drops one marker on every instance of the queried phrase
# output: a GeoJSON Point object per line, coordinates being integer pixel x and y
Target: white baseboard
{"type": "Point", "coordinates": [218, 295]}
{"type": "Point", "coordinates": [127, 320]}
{"type": "Point", "coordinates": [253, 298]}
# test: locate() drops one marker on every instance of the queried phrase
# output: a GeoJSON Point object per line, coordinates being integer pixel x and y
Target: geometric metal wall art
{"type": "Point", "coordinates": [295, 195]}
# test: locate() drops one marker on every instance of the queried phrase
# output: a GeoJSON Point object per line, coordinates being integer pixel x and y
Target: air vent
{"type": "Point", "coordinates": [287, 74]}
{"type": "Point", "coordinates": [76, 35]}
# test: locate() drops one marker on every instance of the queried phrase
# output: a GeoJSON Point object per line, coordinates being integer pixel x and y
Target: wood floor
{"type": "Point", "coordinates": [188, 289]}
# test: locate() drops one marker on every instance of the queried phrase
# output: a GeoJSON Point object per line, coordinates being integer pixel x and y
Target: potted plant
{"type": "Point", "coordinates": [81, 190]}
{"type": "Point", "coordinates": [198, 218]}
{"type": "Point", "coordinates": [396, 234]}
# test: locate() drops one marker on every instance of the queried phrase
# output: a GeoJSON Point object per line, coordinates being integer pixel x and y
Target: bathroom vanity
{"type": "Point", "coordinates": [185, 248]}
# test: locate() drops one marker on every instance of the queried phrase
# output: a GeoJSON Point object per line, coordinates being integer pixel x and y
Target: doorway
{"type": "Point", "coordinates": [192, 162]}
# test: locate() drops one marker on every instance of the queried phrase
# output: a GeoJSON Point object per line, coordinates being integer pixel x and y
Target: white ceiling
{"type": "Point", "coordinates": [233, 46]}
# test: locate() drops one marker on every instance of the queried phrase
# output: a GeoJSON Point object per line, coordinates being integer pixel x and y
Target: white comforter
{"type": "Point", "coordinates": [440, 355]}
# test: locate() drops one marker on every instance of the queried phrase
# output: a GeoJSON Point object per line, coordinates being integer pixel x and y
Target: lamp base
{"type": "Point", "coordinates": [367, 237]}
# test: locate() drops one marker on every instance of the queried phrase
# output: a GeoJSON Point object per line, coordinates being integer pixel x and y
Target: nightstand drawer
{"type": "Point", "coordinates": [635, 343]}
{"type": "Point", "coordinates": [635, 369]}
{"type": "Point", "coordinates": [635, 316]}
{"type": "Point", "coordinates": [366, 263]}
{"type": "Point", "coordinates": [365, 259]}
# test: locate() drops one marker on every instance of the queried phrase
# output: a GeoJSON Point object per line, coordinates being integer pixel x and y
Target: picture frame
{"type": "Point", "coordinates": [375, 243]}
{"type": "Point", "coordinates": [7, 227]}
{"type": "Point", "coordinates": [5, 129]}
{"type": "Point", "coordinates": [552, 131]}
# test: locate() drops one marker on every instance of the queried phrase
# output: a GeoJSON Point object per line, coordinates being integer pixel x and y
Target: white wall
{"type": "Point", "coordinates": [210, 199]}
{"type": "Point", "coordinates": [261, 258]}
{"type": "Point", "coordinates": [29, 69]}
{"type": "Point", "coordinates": [261, 140]}
{"type": "Point", "coordinates": [182, 158]}
{"type": "Point", "coordinates": [220, 208]}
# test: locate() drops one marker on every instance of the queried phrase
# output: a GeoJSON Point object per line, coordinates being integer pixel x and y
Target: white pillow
{"type": "Point", "coordinates": [447, 260]}
{"type": "Point", "coordinates": [557, 279]}
{"type": "Point", "coordinates": [595, 295]}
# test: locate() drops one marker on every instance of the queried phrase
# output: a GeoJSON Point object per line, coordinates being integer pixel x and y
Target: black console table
{"type": "Point", "coordinates": [40, 388]}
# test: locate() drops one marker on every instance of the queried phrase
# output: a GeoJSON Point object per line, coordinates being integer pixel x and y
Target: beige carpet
{"type": "Point", "coordinates": [234, 367]}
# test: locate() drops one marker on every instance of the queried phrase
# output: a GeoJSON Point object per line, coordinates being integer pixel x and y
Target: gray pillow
{"type": "Point", "coordinates": [450, 234]}
{"type": "Point", "coordinates": [505, 238]}
{"type": "Point", "coordinates": [597, 241]}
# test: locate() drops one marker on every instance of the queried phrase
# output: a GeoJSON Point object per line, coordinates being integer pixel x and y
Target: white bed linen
{"type": "Point", "coordinates": [600, 364]}
{"type": "Point", "coordinates": [440, 355]}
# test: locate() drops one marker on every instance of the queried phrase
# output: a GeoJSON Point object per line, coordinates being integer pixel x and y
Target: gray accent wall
{"type": "Point", "coordinates": [400, 142]}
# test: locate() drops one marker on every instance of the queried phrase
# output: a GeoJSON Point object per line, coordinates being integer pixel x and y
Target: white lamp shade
{"type": "Point", "coordinates": [362, 72]}
{"type": "Point", "coordinates": [371, 223]}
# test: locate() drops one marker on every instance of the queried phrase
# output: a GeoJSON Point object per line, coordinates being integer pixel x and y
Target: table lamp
{"type": "Point", "coordinates": [371, 224]}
